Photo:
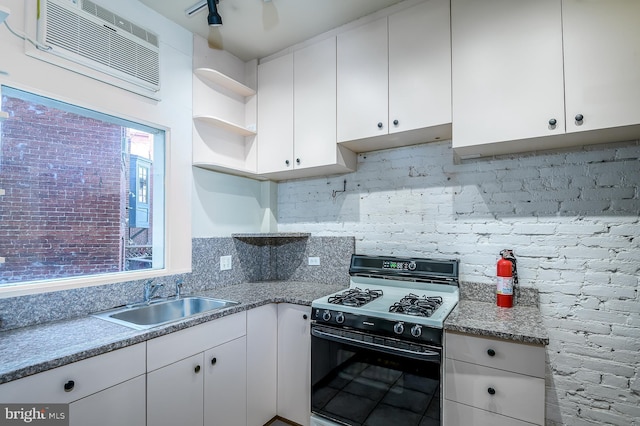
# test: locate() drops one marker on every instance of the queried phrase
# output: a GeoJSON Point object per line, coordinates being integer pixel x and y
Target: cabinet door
{"type": "Point", "coordinates": [294, 363]}
{"type": "Point", "coordinates": [420, 66]}
{"type": "Point", "coordinates": [123, 404]}
{"type": "Point", "coordinates": [507, 73]}
{"type": "Point", "coordinates": [175, 393]}
{"type": "Point", "coordinates": [82, 378]}
{"type": "Point", "coordinates": [363, 82]}
{"type": "Point", "coordinates": [262, 364]}
{"type": "Point", "coordinates": [314, 76]}
{"type": "Point", "coordinates": [456, 414]}
{"type": "Point", "coordinates": [502, 392]}
{"type": "Point", "coordinates": [602, 63]}
{"type": "Point", "coordinates": [225, 384]}
{"type": "Point", "coordinates": [275, 115]}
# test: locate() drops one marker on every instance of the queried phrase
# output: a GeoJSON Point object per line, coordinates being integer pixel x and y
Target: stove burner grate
{"type": "Point", "coordinates": [355, 297]}
{"type": "Point", "coordinates": [415, 305]}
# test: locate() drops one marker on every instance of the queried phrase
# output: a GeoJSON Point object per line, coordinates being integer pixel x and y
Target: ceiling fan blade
{"type": "Point", "coordinates": [215, 38]}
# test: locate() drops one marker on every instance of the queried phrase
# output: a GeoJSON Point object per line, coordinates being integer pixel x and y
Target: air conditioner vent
{"type": "Point", "coordinates": [122, 48]}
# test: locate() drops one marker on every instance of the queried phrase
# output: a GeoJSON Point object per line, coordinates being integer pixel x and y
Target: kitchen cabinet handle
{"type": "Point", "coordinates": [197, 369]}
{"type": "Point", "coordinates": [297, 160]}
{"type": "Point", "coordinates": [214, 360]}
{"type": "Point", "coordinates": [491, 352]}
{"type": "Point", "coordinates": [380, 125]}
{"type": "Point", "coordinates": [396, 122]}
{"type": "Point", "coordinates": [304, 316]}
{"type": "Point", "coordinates": [552, 122]}
{"type": "Point", "coordinates": [68, 387]}
{"type": "Point", "coordinates": [286, 162]}
{"type": "Point", "coordinates": [491, 391]}
{"type": "Point", "coordinates": [579, 118]}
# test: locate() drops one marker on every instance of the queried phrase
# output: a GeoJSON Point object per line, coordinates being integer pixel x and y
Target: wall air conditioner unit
{"type": "Point", "coordinates": [85, 32]}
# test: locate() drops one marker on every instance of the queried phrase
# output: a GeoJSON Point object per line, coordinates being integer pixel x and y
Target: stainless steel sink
{"type": "Point", "coordinates": [157, 313]}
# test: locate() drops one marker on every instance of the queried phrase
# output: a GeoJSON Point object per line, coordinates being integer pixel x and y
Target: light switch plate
{"type": "Point", "coordinates": [4, 12]}
{"type": "Point", "coordinates": [225, 263]}
{"type": "Point", "coordinates": [314, 261]}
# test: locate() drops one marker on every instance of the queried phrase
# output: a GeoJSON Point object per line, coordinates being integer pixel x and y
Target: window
{"type": "Point", "coordinates": [81, 192]}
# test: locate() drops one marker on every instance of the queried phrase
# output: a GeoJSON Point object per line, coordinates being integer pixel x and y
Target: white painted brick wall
{"type": "Point", "coordinates": [573, 219]}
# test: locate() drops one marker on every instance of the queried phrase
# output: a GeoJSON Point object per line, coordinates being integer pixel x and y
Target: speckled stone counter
{"type": "Point", "coordinates": [521, 323]}
{"type": "Point", "coordinates": [31, 350]}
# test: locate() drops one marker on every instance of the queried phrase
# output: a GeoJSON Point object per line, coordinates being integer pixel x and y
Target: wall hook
{"type": "Point", "coordinates": [336, 192]}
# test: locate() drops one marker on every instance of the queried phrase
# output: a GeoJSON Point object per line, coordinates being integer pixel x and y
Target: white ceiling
{"type": "Point", "coordinates": [256, 28]}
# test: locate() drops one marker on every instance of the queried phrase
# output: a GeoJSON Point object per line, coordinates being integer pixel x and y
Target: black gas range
{"type": "Point", "coordinates": [381, 339]}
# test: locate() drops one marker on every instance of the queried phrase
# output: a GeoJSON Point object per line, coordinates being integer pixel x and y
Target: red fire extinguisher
{"type": "Point", "coordinates": [507, 276]}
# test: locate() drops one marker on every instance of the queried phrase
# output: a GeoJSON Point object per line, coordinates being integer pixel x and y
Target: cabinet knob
{"type": "Point", "coordinates": [197, 369]}
{"type": "Point", "coordinates": [491, 391]}
{"type": "Point", "coordinates": [297, 161]}
{"type": "Point", "coordinates": [304, 316]}
{"type": "Point", "coordinates": [579, 118]}
{"type": "Point", "coordinates": [552, 122]}
{"type": "Point", "coordinates": [395, 122]}
{"type": "Point", "coordinates": [380, 125]}
{"type": "Point", "coordinates": [491, 352]}
{"type": "Point", "coordinates": [68, 387]}
{"type": "Point", "coordinates": [214, 360]}
{"type": "Point", "coordinates": [286, 162]}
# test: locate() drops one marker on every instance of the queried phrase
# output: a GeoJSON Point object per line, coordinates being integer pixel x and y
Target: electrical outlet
{"type": "Point", "coordinates": [2, 259]}
{"type": "Point", "coordinates": [4, 12]}
{"type": "Point", "coordinates": [314, 261]}
{"type": "Point", "coordinates": [225, 263]}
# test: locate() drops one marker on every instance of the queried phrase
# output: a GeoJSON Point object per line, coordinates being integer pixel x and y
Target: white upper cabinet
{"type": "Point", "coordinates": [507, 70]}
{"type": "Point", "coordinates": [601, 63]}
{"type": "Point", "coordinates": [314, 100]}
{"type": "Point", "coordinates": [394, 79]}
{"type": "Point", "coordinates": [420, 67]}
{"type": "Point", "coordinates": [275, 115]}
{"type": "Point", "coordinates": [297, 115]}
{"type": "Point", "coordinates": [363, 82]}
{"type": "Point", "coordinates": [543, 74]}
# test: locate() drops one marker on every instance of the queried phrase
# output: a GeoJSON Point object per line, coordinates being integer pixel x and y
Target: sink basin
{"type": "Point", "coordinates": [157, 313]}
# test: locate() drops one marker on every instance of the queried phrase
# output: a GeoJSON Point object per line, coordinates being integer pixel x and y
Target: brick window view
{"type": "Point", "coordinates": [80, 192]}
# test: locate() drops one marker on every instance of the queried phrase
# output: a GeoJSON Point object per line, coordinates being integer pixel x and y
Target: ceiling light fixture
{"type": "Point", "coordinates": [214, 19]}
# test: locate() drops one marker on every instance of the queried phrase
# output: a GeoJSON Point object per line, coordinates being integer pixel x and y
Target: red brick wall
{"type": "Point", "coordinates": [60, 215]}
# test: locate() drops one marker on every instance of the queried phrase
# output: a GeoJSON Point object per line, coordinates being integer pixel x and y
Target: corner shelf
{"type": "Point", "coordinates": [224, 81]}
{"type": "Point", "coordinates": [223, 124]}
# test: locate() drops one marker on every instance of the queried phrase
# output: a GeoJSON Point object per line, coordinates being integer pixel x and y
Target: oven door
{"type": "Point", "coordinates": [361, 379]}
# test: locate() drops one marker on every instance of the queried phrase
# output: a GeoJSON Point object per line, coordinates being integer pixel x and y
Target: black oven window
{"type": "Point", "coordinates": [370, 388]}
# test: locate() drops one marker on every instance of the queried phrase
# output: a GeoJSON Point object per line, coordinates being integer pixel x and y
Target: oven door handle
{"type": "Point", "coordinates": [432, 356]}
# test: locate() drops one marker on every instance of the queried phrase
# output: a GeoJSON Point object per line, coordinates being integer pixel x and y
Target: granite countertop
{"type": "Point", "coordinates": [520, 323]}
{"type": "Point", "coordinates": [30, 350]}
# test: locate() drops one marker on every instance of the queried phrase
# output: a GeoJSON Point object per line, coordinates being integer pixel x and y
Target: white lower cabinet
{"type": "Point", "coordinates": [262, 364]}
{"type": "Point", "coordinates": [492, 382]}
{"type": "Point", "coordinates": [175, 393]}
{"type": "Point", "coordinates": [105, 389]}
{"type": "Point", "coordinates": [294, 363]}
{"type": "Point", "coordinates": [197, 376]}
{"type": "Point", "coordinates": [225, 384]}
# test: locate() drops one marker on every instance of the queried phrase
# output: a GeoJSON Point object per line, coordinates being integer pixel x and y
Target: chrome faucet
{"type": "Point", "coordinates": [150, 289]}
{"type": "Point", "coordinates": [178, 287]}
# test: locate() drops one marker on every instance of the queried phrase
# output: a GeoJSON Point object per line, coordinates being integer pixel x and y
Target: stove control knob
{"type": "Point", "coordinates": [340, 318]}
{"type": "Point", "coordinates": [327, 315]}
{"type": "Point", "coordinates": [398, 328]}
{"type": "Point", "coordinates": [416, 330]}
{"type": "Point", "coordinates": [412, 266]}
